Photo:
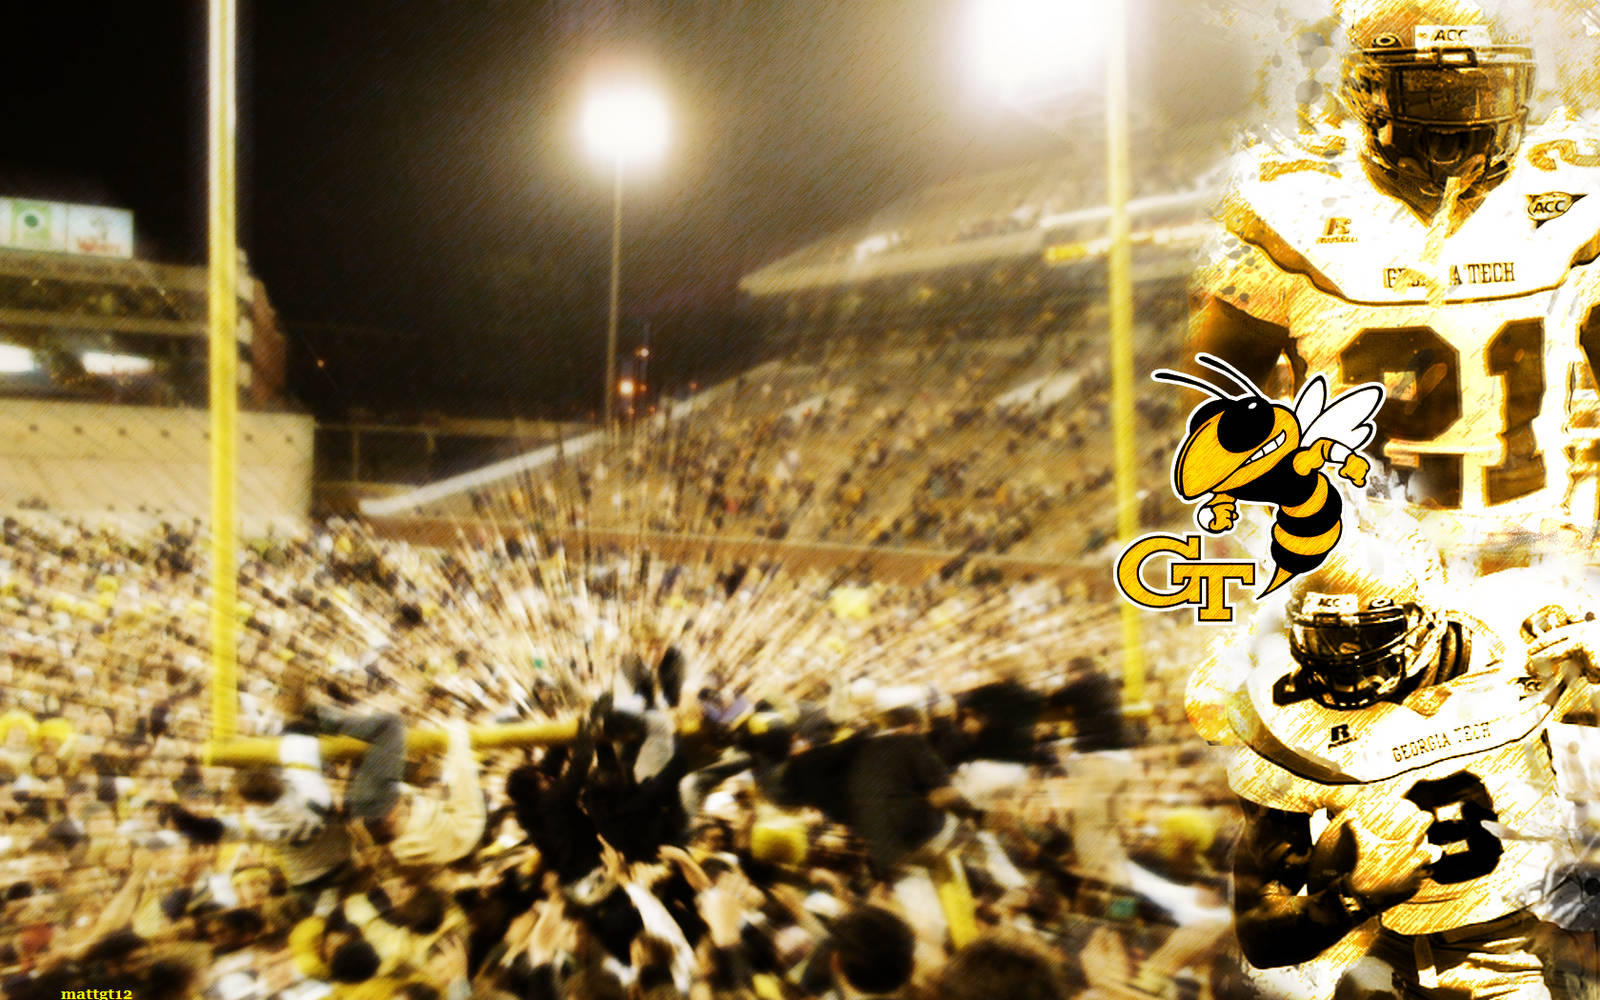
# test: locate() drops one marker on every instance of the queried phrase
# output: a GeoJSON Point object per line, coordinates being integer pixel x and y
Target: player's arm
{"type": "Point", "coordinates": [1563, 639]}
{"type": "Point", "coordinates": [1276, 925]}
{"type": "Point", "coordinates": [1279, 925]}
{"type": "Point", "coordinates": [1249, 344]}
{"type": "Point", "coordinates": [1372, 856]}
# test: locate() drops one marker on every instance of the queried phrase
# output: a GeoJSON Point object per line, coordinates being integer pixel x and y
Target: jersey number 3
{"type": "Point", "coordinates": [1460, 805]}
{"type": "Point", "coordinates": [1428, 401]}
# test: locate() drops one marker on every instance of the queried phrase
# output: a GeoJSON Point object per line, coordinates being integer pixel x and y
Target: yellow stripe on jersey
{"type": "Point", "coordinates": [1588, 253]}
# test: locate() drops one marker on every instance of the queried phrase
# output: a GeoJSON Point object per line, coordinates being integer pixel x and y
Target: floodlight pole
{"type": "Point", "coordinates": [1119, 284]}
{"type": "Point", "coordinates": [223, 349]}
{"type": "Point", "coordinates": [616, 279]}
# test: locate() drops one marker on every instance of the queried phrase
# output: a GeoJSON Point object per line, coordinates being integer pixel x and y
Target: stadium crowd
{"type": "Point", "coordinates": [929, 443]}
{"type": "Point", "coordinates": [775, 784]}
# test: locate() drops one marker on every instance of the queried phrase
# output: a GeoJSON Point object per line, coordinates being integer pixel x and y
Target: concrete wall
{"type": "Point", "coordinates": [154, 461]}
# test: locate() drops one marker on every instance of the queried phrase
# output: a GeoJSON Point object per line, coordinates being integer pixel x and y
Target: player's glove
{"type": "Point", "coordinates": [1558, 637]}
{"type": "Point", "coordinates": [1381, 848]}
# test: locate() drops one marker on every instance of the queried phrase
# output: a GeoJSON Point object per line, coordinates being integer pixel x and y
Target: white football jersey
{"type": "Point", "coordinates": [1471, 752]}
{"type": "Point", "coordinates": [1478, 335]}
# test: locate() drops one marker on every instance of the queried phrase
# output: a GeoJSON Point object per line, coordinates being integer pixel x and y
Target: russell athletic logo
{"type": "Point", "coordinates": [1251, 449]}
{"type": "Point", "coordinates": [1336, 230]}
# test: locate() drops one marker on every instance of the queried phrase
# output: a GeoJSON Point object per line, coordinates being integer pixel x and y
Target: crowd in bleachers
{"type": "Point", "coordinates": [923, 443]}
{"type": "Point", "coordinates": [777, 784]}
{"type": "Point", "coordinates": [764, 776]}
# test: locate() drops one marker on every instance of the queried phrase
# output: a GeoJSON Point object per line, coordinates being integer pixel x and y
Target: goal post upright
{"type": "Point", "coordinates": [223, 349]}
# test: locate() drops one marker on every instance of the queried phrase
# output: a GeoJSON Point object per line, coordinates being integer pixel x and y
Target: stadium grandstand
{"type": "Point", "coordinates": [875, 563]}
{"type": "Point", "coordinates": [920, 358]}
{"type": "Point", "coordinates": [103, 377]}
{"type": "Point", "coordinates": [810, 681]}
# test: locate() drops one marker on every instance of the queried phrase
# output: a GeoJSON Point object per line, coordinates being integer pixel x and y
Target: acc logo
{"type": "Point", "coordinates": [1550, 205]}
{"type": "Point", "coordinates": [1252, 449]}
{"type": "Point", "coordinates": [1432, 36]}
{"type": "Point", "coordinates": [1528, 686]}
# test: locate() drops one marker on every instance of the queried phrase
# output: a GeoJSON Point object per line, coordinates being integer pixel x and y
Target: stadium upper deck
{"type": "Point", "coordinates": [86, 337]}
{"type": "Point", "coordinates": [939, 385]}
{"type": "Point", "coordinates": [1049, 213]}
{"type": "Point", "coordinates": [111, 330]}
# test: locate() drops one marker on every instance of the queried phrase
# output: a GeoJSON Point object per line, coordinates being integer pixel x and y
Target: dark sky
{"type": "Point", "coordinates": [413, 184]}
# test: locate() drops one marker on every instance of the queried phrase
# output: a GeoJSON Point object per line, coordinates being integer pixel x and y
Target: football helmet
{"type": "Point", "coordinates": [1358, 638]}
{"type": "Point", "coordinates": [1438, 96]}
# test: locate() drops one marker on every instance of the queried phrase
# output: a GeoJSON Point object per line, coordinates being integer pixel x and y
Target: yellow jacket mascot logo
{"type": "Point", "coordinates": [1251, 449]}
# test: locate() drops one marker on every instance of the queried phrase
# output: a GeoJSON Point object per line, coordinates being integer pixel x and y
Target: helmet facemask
{"type": "Point", "coordinates": [1437, 114]}
{"type": "Point", "coordinates": [1353, 655]}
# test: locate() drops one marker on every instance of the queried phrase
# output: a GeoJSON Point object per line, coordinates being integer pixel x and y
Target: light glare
{"type": "Point", "coordinates": [15, 360]}
{"type": "Point", "coordinates": [1030, 48]}
{"type": "Point", "coordinates": [626, 123]}
{"type": "Point", "coordinates": [100, 363]}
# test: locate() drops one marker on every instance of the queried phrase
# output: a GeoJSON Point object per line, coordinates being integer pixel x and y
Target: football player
{"type": "Point", "coordinates": [1417, 734]}
{"type": "Point", "coordinates": [1433, 241]}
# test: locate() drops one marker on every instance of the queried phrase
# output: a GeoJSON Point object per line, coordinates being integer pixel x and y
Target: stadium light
{"type": "Point", "coordinates": [1029, 52]}
{"type": "Point", "coordinates": [625, 123]}
{"type": "Point", "coordinates": [103, 363]}
{"type": "Point", "coordinates": [1024, 50]}
{"type": "Point", "coordinates": [16, 360]}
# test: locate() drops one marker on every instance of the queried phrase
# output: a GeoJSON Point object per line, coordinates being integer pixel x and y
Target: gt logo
{"type": "Point", "coordinates": [1194, 580]}
{"type": "Point", "coordinates": [1545, 154]}
{"type": "Point", "coordinates": [1271, 170]}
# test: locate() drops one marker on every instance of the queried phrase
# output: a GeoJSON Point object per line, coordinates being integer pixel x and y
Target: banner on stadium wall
{"type": "Point", "coordinates": [57, 227]}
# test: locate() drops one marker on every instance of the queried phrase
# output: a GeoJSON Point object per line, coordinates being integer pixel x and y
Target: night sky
{"type": "Point", "coordinates": [415, 197]}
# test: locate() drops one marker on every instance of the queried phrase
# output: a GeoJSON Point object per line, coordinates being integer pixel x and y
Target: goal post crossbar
{"type": "Point", "coordinates": [258, 751]}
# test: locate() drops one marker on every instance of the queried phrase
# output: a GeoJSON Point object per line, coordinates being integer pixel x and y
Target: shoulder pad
{"type": "Point", "coordinates": [1256, 779]}
{"type": "Point", "coordinates": [1558, 186]}
{"type": "Point", "coordinates": [1494, 704]}
{"type": "Point", "coordinates": [1275, 201]}
{"type": "Point", "coordinates": [1562, 143]}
